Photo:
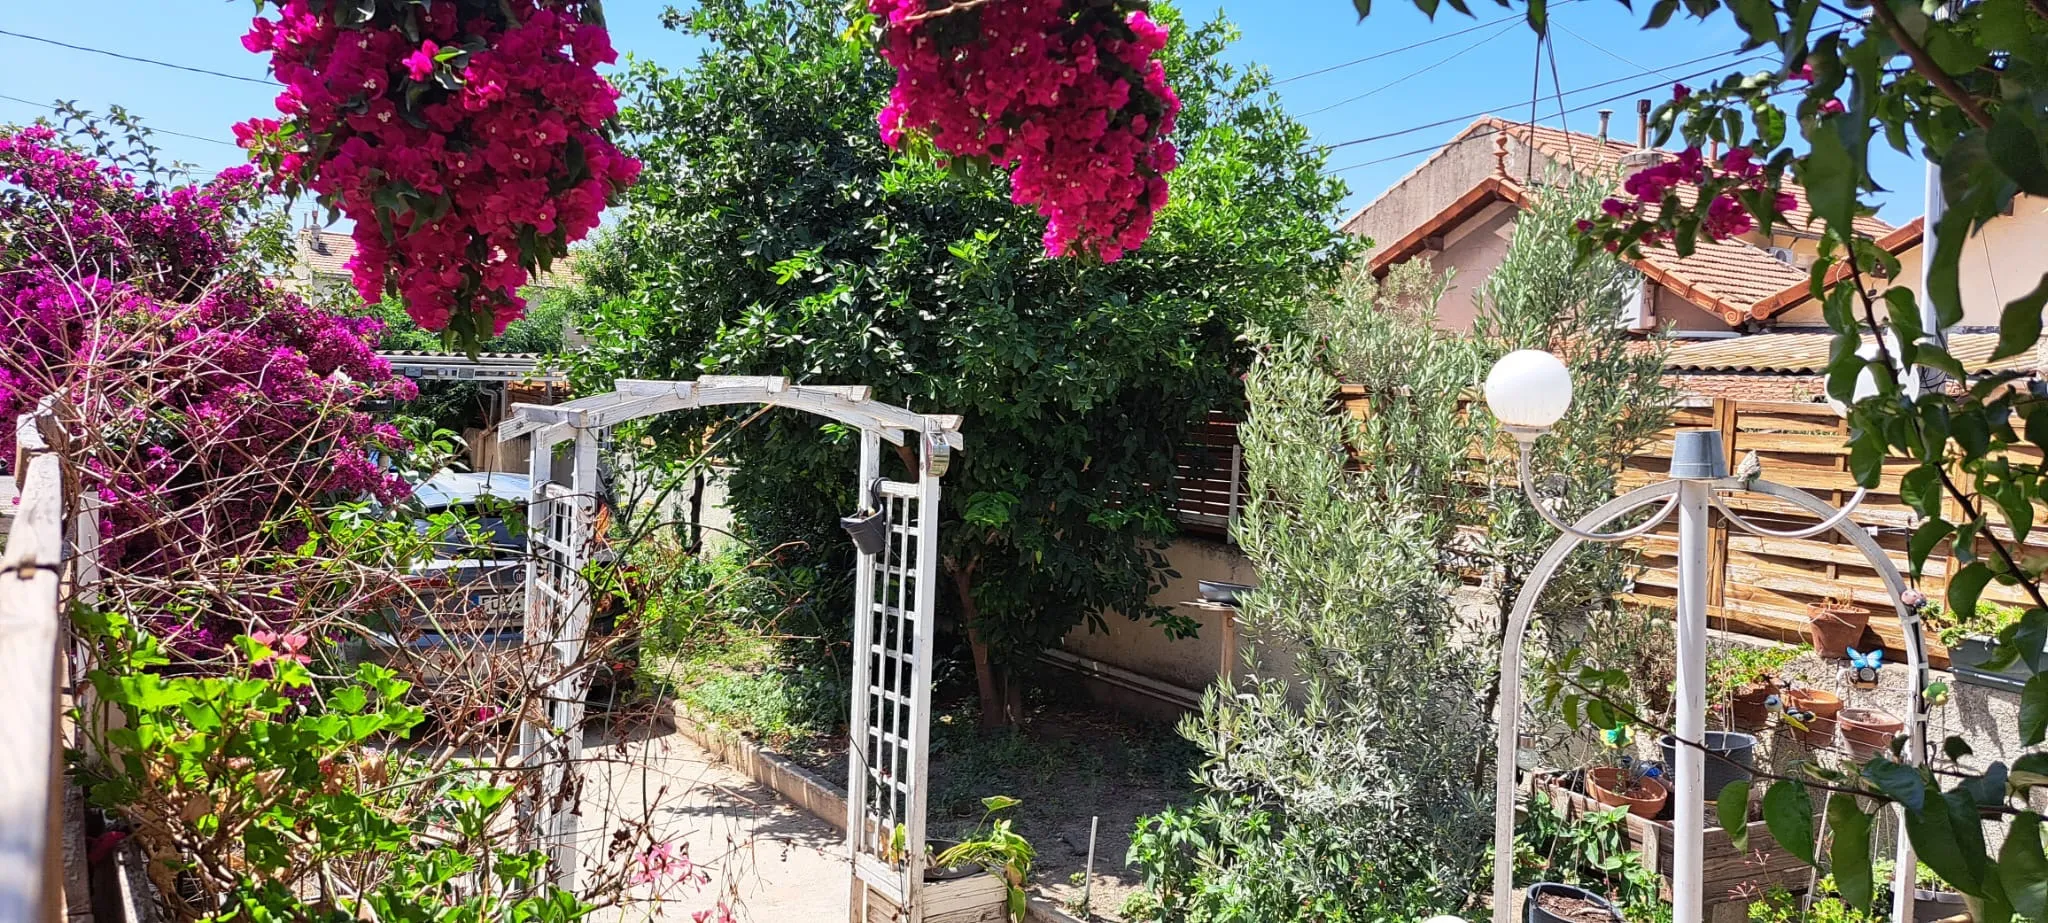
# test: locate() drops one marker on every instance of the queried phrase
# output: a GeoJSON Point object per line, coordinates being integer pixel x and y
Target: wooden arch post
{"type": "Point", "coordinates": [894, 615]}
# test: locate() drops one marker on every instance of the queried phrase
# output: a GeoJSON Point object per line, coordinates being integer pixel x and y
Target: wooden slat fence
{"type": "Point", "coordinates": [32, 867]}
{"type": "Point", "coordinates": [1765, 584]}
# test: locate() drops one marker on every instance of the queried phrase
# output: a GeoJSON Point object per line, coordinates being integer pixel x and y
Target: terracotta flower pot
{"type": "Point", "coordinates": [1836, 627]}
{"type": "Point", "coordinates": [1609, 785]}
{"type": "Point", "coordinates": [1869, 731]}
{"type": "Point", "coordinates": [1748, 709]}
{"type": "Point", "coordinates": [1820, 732]}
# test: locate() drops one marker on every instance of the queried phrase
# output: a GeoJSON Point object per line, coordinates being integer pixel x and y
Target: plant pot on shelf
{"type": "Point", "coordinates": [1869, 731]}
{"type": "Point", "coordinates": [870, 531]}
{"type": "Point", "coordinates": [1550, 902]}
{"type": "Point", "coordinates": [1836, 626]}
{"type": "Point", "coordinates": [1968, 657]}
{"type": "Point", "coordinates": [1819, 732]}
{"type": "Point", "coordinates": [1749, 709]}
{"type": "Point", "coordinates": [1929, 906]}
{"type": "Point", "coordinates": [1617, 787]}
{"type": "Point", "coordinates": [1730, 754]}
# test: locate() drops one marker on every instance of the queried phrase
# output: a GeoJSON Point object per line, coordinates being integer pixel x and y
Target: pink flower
{"type": "Point", "coordinates": [1785, 203]}
{"type": "Point", "coordinates": [420, 64]}
{"type": "Point", "coordinates": [1679, 92]}
{"type": "Point", "coordinates": [1738, 161]}
{"type": "Point", "coordinates": [1616, 208]}
{"type": "Point", "coordinates": [1584, 226]}
{"type": "Point", "coordinates": [1832, 107]}
{"type": "Point", "coordinates": [1805, 72]}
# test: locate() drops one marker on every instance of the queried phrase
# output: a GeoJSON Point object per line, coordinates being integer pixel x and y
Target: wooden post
{"type": "Point", "coordinates": [31, 796]}
{"type": "Point", "coordinates": [1725, 415]}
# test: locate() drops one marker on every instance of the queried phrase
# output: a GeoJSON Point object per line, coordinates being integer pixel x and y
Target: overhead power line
{"type": "Point", "coordinates": [1579, 108]}
{"type": "Point", "coordinates": [140, 60]}
{"type": "Point", "coordinates": [1404, 78]}
{"type": "Point", "coordinates": [1572, 92]}
{"type": "Point", "coordinates": [46, 107]}
{"type": "Point", "coordinates": [1375, 56]}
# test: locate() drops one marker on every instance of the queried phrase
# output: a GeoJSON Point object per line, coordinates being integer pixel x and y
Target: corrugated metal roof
{"type": "Point", "coordinates": [1807, 354]}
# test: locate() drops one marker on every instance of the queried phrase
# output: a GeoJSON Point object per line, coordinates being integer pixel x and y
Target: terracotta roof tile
{"type": "Point", "coordinates": [326, 253]}
{"type": "Point", "coordinates": [1731, 278]}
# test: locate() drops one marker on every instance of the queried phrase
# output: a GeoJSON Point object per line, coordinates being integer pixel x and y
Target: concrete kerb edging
{"type": "Point", "coordinates": [802, 787]}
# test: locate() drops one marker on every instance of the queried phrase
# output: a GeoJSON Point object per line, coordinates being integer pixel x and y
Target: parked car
{"type": "Point", "coordinates": [470, 598]}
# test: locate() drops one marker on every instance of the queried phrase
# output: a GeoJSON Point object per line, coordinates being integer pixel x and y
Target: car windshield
{"type": "Point", "coordinates": [494, 535]}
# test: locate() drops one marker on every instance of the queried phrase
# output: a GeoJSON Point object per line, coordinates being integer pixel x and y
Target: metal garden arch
{"type": "Point", "coordinates": [894, 592]}
{"type": "Point", "coordinates": [1697, 488]}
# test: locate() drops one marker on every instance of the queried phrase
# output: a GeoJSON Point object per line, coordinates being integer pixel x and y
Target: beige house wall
{"type": "Point", "coordinates": [1471, 253]}
{"type": "Point", "coordinates": [1143, 649]}
{"type": "Point", "coordinates": [1999, 263]}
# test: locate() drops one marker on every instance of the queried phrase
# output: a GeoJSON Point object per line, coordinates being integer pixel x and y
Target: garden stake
{"type": "Point", "coordinates": [1088, 871]}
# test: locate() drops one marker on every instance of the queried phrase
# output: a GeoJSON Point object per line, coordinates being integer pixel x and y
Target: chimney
{"type": "Point", "coordinates": [1642, 123]}
{"type": "Point", "coordinates": [1605, 114]}
{"type": "Point", "coordinates": [1643, 155]}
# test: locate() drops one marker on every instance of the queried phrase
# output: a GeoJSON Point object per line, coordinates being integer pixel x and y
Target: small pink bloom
{"type": "Point", "coordinates": [1679, 92]}
{"type": "Point", "coordinates": [420, 64]}
{"type": "Point", "coordinates": [1832, 107]}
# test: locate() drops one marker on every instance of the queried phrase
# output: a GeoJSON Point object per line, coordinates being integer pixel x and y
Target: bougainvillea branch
{"type": "Point", "coordinates": [465, 138]}
{"type": "Point", "coordinates": [1068, 96]}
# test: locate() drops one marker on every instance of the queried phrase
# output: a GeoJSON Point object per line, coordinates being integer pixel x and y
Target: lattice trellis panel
{"type": "Point", "coordinates": [894, 594]}
{"type": "Point", "coordinates": [557, 618]}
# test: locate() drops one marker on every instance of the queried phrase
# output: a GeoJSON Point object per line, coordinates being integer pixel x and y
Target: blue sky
{"type": "Point", "coordinates": [1597, 42]}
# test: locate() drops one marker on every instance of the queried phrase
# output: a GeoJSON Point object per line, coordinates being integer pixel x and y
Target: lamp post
{"type": "Point", "coordinates": [1529, 391]}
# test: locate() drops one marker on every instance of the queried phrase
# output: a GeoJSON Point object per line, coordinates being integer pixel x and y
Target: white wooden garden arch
{"type": "Point", "coordinates": [894, 593]}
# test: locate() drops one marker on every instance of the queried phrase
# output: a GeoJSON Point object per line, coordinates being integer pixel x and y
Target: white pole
{"type": "Point", "coordinates": [1689, 799]}
{"type": "Point", "coordinates": [1088, 875]}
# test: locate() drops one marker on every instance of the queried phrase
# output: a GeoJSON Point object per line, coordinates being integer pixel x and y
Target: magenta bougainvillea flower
{"type": "Point", "coordinates": [464, 137]}
{"type": "Point", "coordinates": [1067, 96]}
{"type": "Point", "coordinates": [214, 402]}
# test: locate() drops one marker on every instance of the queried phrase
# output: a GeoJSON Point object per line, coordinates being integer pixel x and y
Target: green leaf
{"type": "Point", "coordinates": [1661, 13]}
{"type": "Point", "coordinates": [1788, 814]}
{"type": "Point", "coordinates": [994, 803]}
{"type": "Point", "coordinates": [1732, 809]}
{"type": "Point", "coordinates": [2034, 710]}
{"type": "Point", "coordinates": [354, 14]}
{"type": "Point", "coordinates": [1364, 7]}
{"type": "Point", "coordinates": [2019, 325]}
{"type": "Point", "coordinates": [2016, 150]}
{"type": "Point", "coordinates": [1866, 461]}
{"type": "Point", "coordinates": [1934, 838]}
{"type": "Point", "coordinates": [1849, 856]}
{"type": "Point", "coordinates": [1966, 586]}
{"type": "Point", "coordinates": [1902, 784]}
{"type": "Point", "coordinates": [1925, 539]}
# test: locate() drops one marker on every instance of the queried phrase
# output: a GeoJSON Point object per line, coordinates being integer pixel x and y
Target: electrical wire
{"type": "Point", "coordinates": [1412, 74]}
{"type": "Point", "coordinates": [1518, 17]}
{"type": "Point", "coordinates": [1572, 92]}
{"type": "Point", "coordinates": [1596, 46]}
{"type": "Point", "coordinates": [139, 60]}
{"type": "Point", "coordinates": [160, 131]}
{"type": "Point", "coordinates": [1579, 108]}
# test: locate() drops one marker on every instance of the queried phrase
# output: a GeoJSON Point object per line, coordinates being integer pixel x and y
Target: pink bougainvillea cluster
{"type": "Point", "coordinates": [465, 138]}
{"type": "Point", "coordinates": [1068, 96]}
{"type": "Point", "coordinates": [1738, 191]}
{"type": "Point", "coordinates": [204, 401]}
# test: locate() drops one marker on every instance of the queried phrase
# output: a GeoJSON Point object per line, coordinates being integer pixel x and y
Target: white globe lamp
{"type": "Point", "coordinates": [1528, 391]}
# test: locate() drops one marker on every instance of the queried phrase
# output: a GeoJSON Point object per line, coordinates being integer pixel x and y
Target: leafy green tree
{"type": "Point", "coordinates": [773, 233]}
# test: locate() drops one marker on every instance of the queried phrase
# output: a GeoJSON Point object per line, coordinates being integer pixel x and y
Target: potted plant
{"type": "Point", "coordinates": [1834, 625]}
{"type": "Point", "coordinates": [1745, 677]}
{"type": "Point", "coordinates": [1627, 784]}
{"type": "Point", "coordinates": [1815, 711]}
{"type": "Point", "coordinates": [1555, 902]}
{"type": "Point", "coordinates": [1973, 645]}
{"type": "Point", "coordinates": [1933, 899]}
{"type": "Point", "coordinates": [1729, 756]}
{"type": "Point", "coordinates": [998, 849]}
{"type": "Point", "coordinates": [1869, 731]}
